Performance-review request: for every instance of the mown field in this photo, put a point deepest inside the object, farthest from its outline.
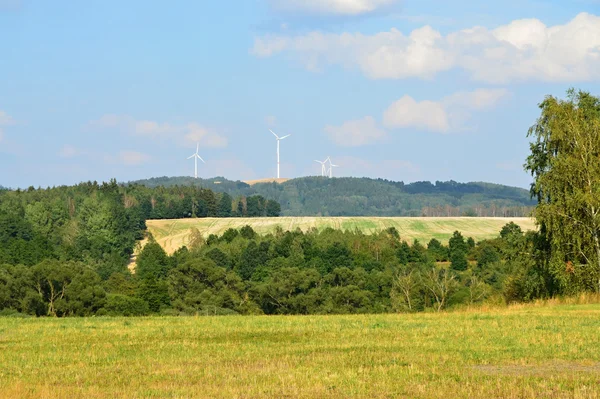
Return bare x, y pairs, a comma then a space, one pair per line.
524, 352
173, 234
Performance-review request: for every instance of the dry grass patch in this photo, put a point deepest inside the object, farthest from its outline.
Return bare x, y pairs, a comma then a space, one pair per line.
267, 180
173, 234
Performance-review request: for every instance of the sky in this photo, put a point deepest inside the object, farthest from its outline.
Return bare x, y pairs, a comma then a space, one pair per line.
406, 90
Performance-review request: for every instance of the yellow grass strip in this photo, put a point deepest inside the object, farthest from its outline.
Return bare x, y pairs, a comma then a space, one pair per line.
172, 235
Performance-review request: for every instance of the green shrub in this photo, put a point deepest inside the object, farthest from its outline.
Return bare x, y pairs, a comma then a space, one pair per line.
123, 305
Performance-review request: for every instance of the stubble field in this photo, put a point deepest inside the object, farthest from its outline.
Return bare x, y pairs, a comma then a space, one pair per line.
173, 234
522, 352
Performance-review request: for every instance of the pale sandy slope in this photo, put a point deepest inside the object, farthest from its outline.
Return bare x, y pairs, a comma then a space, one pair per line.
268, 180
173, 234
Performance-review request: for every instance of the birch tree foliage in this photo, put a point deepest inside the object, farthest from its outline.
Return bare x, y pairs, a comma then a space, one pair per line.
565, 164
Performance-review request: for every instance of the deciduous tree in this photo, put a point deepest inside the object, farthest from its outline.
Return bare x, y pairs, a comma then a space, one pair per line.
565, 164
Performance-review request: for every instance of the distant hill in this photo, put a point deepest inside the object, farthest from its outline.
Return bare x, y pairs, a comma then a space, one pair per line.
349, 196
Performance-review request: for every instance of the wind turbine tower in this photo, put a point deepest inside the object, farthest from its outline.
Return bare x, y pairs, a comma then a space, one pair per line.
278, 140
196, 158
323, 167
331, 166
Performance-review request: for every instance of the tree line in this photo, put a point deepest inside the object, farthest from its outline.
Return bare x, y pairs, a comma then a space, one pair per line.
99, 224
317, 196
317, 272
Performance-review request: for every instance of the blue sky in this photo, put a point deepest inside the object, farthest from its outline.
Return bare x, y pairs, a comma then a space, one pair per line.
400, 89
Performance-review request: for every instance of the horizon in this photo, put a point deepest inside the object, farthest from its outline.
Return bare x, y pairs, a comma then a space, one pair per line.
389, 89
254, 181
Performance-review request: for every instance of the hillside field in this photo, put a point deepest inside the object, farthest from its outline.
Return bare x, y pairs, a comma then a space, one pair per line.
267, 180
521, 352
173, 234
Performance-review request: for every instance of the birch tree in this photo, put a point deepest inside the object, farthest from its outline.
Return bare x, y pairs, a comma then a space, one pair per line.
565, 164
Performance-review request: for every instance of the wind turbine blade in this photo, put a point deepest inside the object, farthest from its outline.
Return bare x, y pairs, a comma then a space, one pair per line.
319, 162
274, 134
192, 156
197, 147
285, 137
200, 158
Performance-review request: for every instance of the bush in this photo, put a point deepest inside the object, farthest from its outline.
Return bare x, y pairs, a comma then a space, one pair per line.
12, 313
123, 305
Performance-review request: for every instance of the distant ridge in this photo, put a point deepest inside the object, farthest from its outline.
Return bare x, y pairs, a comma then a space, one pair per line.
353, 196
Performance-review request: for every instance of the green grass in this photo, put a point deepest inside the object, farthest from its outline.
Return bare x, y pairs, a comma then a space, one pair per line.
173, 234
524, 352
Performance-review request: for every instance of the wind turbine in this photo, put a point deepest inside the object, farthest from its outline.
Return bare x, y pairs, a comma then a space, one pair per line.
196, 158
278, 140
323, 167
331, 166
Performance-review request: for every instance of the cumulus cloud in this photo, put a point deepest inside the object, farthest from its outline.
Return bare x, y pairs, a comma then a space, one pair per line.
196, 133
406, 112
450, 113
356, 133
521, 50
332, 7
188, 133
479, 99
154, 129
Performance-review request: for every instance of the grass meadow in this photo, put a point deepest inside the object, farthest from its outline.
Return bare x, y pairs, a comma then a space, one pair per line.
517, 352
173, 234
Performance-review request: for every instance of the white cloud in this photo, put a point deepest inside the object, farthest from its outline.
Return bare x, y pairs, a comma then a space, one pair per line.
186, 133
521, 50
155, 129
332, 7
196, 133
479, 99
407, 112
356, 133
443, 116
133, 158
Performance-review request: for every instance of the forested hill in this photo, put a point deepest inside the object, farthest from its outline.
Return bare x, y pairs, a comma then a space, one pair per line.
313, 196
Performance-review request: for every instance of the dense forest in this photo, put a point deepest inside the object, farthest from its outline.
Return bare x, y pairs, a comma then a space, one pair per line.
319, 196
283, 273
99, 224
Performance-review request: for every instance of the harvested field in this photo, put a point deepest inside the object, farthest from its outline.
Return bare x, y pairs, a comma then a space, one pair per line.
173, 234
